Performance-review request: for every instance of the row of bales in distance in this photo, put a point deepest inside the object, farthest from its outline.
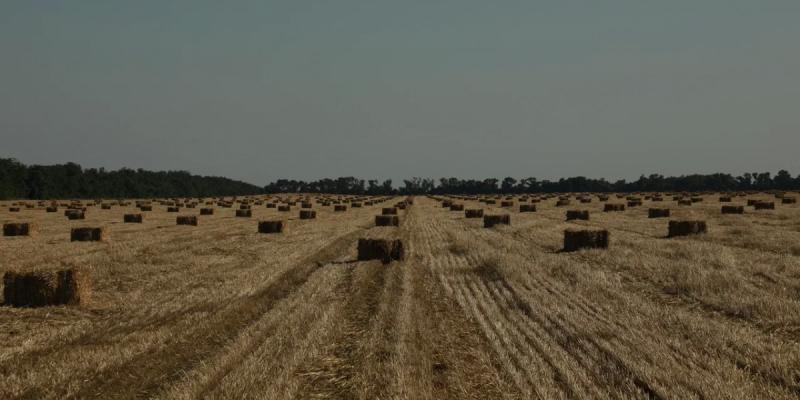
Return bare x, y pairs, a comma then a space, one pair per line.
73, 286
577, 239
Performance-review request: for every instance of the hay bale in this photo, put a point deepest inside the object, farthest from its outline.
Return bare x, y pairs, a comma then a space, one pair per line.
577, 214
86, 234
492, 220
456, 207
173, 209
506, 204
355, 205
186, 220
244, 213
685, 228
789, 200
206, 211
523, 208
725, 199
575, 240
18, 229
697, 199
764, 205
306, 205
52, 209
75, 214
145, 208
271, 205
473, 213
385, 250
339, 208
277, 226
244, 206
389, 211
308, 214
285, 208
685, 202
387, 220
658, 213
733, 209
634, 203
132, 218
105, 206
13, 209
37, 289
752, 202
563, 203
610, 207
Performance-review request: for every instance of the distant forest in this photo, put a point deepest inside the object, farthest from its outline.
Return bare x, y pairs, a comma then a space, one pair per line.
70, 181
18, 181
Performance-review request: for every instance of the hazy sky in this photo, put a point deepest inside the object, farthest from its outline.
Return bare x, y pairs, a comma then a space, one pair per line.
258, 90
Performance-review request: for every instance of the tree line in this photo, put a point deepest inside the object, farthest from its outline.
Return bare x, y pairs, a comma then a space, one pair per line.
70, 180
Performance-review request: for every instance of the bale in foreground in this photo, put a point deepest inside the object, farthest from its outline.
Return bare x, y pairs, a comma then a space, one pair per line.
86, 234
37, 289
492, 220
18, 229
684, 228
387, 220
278, 226
575, 240
380, 249
186, 220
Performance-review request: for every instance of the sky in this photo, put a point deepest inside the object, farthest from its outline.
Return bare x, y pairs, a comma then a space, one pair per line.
261, 90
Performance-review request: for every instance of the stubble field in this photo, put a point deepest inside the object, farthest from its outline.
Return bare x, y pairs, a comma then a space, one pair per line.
220, 311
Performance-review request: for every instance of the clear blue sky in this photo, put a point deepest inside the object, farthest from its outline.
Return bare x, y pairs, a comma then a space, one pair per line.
258, 90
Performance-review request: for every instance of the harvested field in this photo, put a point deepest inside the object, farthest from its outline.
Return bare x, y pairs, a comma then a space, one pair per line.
218, 310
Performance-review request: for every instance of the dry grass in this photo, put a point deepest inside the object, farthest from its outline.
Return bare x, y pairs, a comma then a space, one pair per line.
219, 311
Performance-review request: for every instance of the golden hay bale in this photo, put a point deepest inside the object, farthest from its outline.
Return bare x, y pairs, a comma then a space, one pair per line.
186, 220
284, 208
527, 208
725, 199
563, 203
385, 250
575, 239
789, 200
446, 203
306, 205
75, 214
752, 202
634, 203
339, 208
685, 228
764, 205
602, 198
610, 207
456, 207
355, 205
685, 202
492, 220
18, 229
86, 234
308, 214
244, 207
277, 226
173, 209
658, 213
577, 214
105, 206
206, 211
506, 204
389, 211
585, 200
387, 220
271, 205
244, 213
52, 209
133, 218
37, 289
145, 208
733, 209
13, 209
473, 213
